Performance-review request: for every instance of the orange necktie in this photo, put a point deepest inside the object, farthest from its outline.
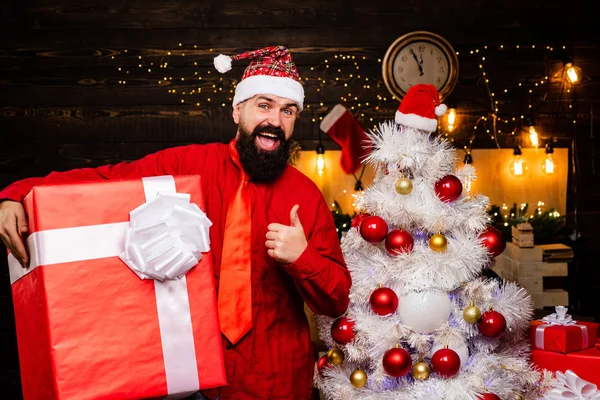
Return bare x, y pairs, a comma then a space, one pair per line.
235, 295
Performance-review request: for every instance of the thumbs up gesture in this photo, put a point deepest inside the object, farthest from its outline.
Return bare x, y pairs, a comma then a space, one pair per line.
286, 243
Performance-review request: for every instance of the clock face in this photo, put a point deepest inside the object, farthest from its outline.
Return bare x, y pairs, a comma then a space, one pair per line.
420, 57
421, 62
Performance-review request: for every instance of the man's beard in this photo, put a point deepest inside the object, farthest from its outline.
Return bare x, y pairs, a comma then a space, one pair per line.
261, 165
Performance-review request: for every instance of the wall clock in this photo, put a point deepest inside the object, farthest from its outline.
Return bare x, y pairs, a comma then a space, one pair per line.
420, 57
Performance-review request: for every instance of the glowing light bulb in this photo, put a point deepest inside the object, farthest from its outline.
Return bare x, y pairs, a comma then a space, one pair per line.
320, 158
533, 136
548, 165
573, 73
518, 166
320, 164
451, 119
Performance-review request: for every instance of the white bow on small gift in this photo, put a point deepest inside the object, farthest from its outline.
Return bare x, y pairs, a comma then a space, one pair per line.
166, 237
560, 317
570, 386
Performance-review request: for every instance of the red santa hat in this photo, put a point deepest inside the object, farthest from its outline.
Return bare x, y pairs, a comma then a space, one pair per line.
271, 71
420, 108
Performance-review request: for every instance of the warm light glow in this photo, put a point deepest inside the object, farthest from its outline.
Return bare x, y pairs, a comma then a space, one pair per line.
573, 73
467, 186
518, 166
549, 166
451, 119
320, 164
533, 136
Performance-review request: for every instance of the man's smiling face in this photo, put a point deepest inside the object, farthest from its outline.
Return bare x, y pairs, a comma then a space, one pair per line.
265, 127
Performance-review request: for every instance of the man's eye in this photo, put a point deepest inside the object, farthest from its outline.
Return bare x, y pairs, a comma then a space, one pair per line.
288, 112
263, 106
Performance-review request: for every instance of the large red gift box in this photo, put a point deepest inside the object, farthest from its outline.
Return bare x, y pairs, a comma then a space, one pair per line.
87, 326
585, 363
562, 338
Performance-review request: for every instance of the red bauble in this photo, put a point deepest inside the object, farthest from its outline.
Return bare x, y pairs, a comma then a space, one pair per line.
494, 241
399, 241
323, 363
373, 229
448, 188
489, 396
357, 220
383, 301
342, 330
492, 324
445, 362
397, 362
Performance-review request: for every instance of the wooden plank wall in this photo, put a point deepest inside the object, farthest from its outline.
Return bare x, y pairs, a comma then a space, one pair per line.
62, 106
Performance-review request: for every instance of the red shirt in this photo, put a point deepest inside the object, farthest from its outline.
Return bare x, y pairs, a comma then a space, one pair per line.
275, 359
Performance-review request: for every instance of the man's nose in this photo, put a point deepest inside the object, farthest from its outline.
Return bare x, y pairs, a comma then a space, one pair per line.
274, 119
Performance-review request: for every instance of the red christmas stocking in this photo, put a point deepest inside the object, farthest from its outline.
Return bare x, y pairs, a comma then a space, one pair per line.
344, 129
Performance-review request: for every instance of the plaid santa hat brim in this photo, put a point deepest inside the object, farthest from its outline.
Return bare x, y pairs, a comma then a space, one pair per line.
273, 85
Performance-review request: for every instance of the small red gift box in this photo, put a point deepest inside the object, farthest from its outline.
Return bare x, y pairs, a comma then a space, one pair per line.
562, 338
87, 326
585, 363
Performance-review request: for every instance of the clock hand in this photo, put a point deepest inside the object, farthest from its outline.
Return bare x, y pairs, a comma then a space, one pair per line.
418, 63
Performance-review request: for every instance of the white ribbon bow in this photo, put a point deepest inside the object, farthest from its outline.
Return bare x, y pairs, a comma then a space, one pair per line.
570, 386
166, 237
560, 317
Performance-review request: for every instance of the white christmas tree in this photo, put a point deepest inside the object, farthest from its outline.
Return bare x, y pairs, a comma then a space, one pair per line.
422, 322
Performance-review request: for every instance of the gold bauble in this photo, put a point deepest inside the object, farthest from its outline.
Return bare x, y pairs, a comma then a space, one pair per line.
438, 242
472, 314
358, 378
421, 370
404, 185
335, 356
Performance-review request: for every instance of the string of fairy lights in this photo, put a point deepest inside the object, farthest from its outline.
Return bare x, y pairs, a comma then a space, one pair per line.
353, 81
493, 117
366, 96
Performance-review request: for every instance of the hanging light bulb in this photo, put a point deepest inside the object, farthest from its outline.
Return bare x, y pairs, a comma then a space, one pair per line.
549, 166
518, 166
467, 182
451, 119
533, 135
468, 158
320, 158
573, 73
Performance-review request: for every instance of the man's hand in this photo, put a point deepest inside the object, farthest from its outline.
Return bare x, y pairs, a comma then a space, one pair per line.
13, 225
286, 243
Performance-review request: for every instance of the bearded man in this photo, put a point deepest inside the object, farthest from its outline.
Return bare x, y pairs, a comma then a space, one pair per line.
273, 238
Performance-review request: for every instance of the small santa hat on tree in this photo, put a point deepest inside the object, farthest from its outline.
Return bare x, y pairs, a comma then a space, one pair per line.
420, 108
271, 71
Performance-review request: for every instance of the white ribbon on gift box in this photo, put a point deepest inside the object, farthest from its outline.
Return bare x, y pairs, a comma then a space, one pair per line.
560, 318
164, 255
571, 386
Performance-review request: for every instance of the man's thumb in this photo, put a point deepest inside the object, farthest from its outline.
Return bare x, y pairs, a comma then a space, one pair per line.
295, 220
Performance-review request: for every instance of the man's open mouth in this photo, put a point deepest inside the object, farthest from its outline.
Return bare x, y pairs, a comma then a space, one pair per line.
267, 141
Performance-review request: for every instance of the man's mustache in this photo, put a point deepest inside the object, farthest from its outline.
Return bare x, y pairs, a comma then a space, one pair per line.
269, 129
